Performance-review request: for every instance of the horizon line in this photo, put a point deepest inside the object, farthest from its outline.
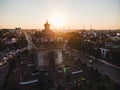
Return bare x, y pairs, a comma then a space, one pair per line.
61, 29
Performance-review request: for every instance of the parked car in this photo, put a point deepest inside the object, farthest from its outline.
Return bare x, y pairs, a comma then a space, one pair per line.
90, 61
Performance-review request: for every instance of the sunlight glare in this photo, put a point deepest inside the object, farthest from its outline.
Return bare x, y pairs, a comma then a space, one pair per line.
58, 20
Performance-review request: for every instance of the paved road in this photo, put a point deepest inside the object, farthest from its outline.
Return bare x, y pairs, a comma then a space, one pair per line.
4, 63
3, 73
103, 68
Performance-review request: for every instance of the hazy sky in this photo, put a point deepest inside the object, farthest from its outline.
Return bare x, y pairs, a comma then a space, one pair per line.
101, 14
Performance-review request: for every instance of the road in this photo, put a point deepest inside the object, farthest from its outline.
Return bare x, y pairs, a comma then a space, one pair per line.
3, 73
5, 56
29, 39
113, 73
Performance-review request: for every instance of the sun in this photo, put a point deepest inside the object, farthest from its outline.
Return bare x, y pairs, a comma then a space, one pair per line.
58, 20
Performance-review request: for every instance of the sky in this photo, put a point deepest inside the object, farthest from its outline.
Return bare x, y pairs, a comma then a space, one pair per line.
79, 14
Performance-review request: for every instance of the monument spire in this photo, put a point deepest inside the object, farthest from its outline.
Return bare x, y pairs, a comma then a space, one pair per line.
47, 25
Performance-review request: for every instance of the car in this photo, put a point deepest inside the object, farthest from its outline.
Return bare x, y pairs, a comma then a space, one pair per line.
21, 62
17, 50
10, 56
1, 64
37, 73
59, 70
30, 65
5, 58
90, 61
10, 52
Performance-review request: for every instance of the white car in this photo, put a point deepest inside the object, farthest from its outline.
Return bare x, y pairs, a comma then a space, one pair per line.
4, 58
59, 70
11, 52
0, 64
17, 50
90, 61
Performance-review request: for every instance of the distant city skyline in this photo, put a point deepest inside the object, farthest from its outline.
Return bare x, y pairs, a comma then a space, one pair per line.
78, 14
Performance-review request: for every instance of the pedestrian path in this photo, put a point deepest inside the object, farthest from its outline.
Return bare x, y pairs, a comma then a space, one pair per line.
108, 64
103, 61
